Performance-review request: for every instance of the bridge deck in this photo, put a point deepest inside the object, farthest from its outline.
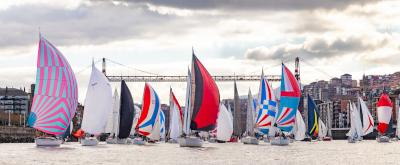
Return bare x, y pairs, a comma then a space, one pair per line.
271, 78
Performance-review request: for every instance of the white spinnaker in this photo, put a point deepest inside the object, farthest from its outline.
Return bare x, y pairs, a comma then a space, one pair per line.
300, 127
368, 120
322, 129
224, 124
98, 103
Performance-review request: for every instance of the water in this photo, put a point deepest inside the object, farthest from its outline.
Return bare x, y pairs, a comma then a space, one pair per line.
334, 152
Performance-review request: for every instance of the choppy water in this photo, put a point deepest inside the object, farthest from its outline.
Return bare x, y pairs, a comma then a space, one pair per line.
335, 152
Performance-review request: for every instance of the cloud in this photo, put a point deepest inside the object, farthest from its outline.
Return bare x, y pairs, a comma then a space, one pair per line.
255, 4
87, 24
319, 47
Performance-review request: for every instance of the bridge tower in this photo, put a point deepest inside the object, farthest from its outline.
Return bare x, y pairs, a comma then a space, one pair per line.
103, 66
297, 69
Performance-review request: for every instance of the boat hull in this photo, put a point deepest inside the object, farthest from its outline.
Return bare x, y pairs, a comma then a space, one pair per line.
89, 142
351, 140
48, 142
190, 142
138, 141
250, 140
383, 139
266, 139
212, 140
173, 141
327, 139
280, 141
111, 141
122, 141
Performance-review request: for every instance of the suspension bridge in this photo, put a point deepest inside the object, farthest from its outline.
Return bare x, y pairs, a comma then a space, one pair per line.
152, 77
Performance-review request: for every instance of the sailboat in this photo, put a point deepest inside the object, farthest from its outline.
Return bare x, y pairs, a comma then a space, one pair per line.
323, 130
266, 108
98, 105
113, 120
313, 118
202, 104
224, 124
289, 102
299, 131
250, 122
367, 119
176, 119
56, 95
355, 133
126, 114
384, 112
237, 128
148, 124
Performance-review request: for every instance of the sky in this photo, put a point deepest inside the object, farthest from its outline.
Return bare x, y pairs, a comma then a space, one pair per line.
228, 36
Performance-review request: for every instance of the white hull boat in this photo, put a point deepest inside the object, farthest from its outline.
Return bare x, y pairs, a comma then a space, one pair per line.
122, 141
47, 142
383, 139
190, 142
111, 141
250, 140
172, 141
138, 141
280, 141
212, 140
351, 140
89, 141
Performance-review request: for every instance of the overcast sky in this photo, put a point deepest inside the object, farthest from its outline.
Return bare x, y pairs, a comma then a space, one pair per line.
228, 36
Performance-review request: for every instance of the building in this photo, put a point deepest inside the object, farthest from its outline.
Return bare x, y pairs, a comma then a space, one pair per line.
347, 80
14, 100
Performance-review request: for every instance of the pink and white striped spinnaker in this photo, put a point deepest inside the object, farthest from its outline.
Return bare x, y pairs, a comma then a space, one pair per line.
56, 92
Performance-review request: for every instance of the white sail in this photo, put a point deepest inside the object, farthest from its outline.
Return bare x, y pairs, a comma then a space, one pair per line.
358, 123
322, 129
115, 113
187, 114
398, 124
174, 126
300, 127
156, 133
135, 119
356, 130
224, 124
98, 103
352, 132
368, 121
111, 118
